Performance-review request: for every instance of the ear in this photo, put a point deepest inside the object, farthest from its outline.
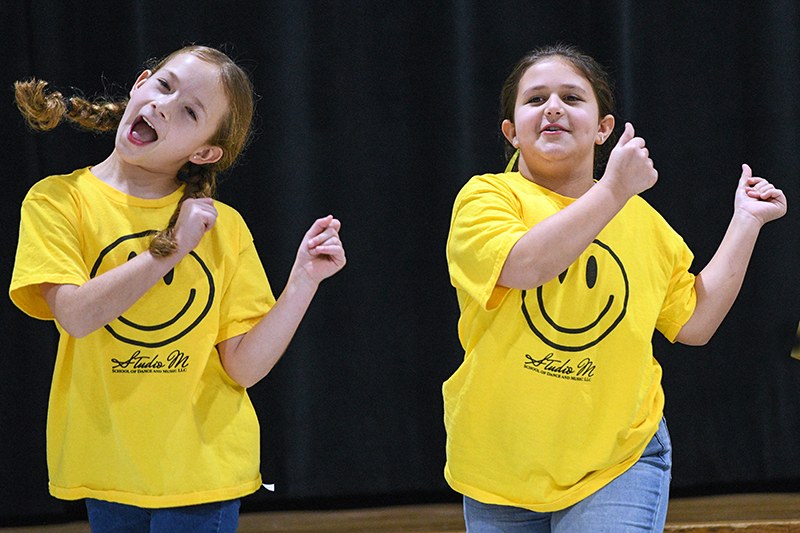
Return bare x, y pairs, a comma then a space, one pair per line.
143, 77
510, 132
206, 155
604, 129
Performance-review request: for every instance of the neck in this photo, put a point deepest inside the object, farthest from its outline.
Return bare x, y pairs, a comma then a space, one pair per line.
562, 178
135, 180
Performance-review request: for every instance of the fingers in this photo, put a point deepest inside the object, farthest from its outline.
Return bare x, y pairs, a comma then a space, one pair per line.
630, 169
196, 217
761, 189
323, 253
199, 210
204, 210
323, 236
757, 187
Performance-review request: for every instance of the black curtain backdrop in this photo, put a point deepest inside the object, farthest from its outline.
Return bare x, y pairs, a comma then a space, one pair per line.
378, 112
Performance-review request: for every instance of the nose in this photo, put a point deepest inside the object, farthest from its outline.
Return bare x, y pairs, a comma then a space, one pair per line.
162, 107
554, 107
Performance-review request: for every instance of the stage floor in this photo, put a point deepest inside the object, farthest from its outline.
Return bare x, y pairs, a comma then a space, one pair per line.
741, 513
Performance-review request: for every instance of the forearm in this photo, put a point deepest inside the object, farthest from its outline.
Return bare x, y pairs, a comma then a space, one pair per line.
552, 245
718, 284
251, 357
80, 310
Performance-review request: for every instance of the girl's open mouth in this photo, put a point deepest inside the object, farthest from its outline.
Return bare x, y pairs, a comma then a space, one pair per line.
143, 132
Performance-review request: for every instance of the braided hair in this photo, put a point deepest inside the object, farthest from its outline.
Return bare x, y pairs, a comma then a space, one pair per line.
44, 110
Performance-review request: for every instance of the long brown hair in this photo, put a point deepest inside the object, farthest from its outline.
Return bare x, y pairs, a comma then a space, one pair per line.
45, 110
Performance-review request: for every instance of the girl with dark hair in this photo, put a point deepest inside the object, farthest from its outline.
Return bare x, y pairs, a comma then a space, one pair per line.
555, 418
164, 311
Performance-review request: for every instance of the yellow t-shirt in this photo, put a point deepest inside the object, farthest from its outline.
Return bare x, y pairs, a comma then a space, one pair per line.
141, 411
559, 392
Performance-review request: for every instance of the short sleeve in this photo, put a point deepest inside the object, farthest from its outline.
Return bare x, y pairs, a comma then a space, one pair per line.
48, 251
486, 223
681, 297
248, 297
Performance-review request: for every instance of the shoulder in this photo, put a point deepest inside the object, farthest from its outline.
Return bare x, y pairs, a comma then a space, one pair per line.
230, 225
227, 212
648, 225
58, 186
59, 195
489, 182
492, 187
640, 208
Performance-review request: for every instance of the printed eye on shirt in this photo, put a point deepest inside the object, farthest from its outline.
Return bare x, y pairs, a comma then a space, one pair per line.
576, 311
581, 306
169, 311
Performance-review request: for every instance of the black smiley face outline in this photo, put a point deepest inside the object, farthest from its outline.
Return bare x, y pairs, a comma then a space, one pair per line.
167, 280
591, 279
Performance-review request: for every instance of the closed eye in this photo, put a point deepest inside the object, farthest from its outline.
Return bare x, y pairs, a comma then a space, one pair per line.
191, 113
164, 83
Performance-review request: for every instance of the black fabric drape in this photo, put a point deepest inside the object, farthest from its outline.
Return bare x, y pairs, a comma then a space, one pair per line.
378, 112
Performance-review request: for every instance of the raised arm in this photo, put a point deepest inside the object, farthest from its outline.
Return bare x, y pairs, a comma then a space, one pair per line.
552, 245
80, 310
248, 358
757, 202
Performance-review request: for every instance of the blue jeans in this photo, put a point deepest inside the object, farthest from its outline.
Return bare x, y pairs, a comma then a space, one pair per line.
109, 517
636, 501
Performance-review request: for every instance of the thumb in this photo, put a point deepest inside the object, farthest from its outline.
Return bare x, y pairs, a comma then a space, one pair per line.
747, 172
627, 135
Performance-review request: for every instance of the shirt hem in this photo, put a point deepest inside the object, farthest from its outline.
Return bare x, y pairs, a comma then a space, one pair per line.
566, 500
156, 502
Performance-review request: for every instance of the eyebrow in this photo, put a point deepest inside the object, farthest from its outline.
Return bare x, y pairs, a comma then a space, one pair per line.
175, 79
568, 86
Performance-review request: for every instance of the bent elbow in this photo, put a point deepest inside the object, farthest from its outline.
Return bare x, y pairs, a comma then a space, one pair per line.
245, 383
700, 341
75, 330
693, 338
524, 281
243, 379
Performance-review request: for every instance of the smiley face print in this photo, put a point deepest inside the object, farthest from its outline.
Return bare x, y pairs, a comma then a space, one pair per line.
583, 305
169, 310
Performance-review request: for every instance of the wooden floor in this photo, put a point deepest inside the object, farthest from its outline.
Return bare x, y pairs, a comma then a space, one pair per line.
744, 513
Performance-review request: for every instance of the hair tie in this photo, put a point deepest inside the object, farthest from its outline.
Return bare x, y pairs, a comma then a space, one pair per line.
511, 161
67, 105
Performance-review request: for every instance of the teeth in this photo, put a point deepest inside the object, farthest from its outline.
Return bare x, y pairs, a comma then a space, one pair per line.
148, 122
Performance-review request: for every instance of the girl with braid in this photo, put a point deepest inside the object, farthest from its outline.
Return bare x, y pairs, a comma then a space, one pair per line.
163, 308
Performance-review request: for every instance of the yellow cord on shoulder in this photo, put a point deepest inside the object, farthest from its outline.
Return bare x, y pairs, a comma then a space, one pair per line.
511, 161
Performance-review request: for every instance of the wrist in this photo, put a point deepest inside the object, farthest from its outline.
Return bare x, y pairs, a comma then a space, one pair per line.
161, 265
746, 219
301, 284
612, 194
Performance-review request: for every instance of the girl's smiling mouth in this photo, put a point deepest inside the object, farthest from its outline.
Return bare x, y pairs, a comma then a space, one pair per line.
553, 128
